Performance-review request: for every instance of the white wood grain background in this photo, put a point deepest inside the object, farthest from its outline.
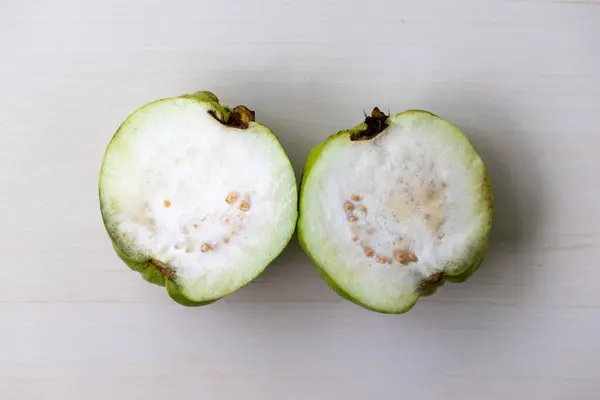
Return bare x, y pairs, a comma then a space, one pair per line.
522, 78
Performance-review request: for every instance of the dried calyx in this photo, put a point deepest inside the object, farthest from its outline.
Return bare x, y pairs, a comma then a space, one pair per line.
374, 125
240, 117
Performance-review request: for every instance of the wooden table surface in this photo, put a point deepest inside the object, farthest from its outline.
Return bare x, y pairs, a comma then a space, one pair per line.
521, 78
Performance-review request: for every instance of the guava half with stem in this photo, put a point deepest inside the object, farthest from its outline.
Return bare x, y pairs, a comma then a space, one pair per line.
196, 196
393, 208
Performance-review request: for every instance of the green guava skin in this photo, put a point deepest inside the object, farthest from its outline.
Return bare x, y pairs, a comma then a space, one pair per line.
143, 265
152, 274
427, 289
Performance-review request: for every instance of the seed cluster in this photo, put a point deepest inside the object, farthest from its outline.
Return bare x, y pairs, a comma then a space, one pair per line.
235, 200
354, 209
351, 209
405, 257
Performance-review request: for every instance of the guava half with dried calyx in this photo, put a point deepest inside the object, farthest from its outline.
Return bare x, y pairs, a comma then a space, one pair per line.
196, 196
394, 207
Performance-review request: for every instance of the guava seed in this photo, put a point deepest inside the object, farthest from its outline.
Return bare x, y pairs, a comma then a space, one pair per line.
205, 247
381, 259
245, 206
348, 206
400, 256
232, 197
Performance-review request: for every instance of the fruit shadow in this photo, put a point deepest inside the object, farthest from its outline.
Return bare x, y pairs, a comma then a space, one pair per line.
509, 267
466, 325
492, 121
465, 321
290, 278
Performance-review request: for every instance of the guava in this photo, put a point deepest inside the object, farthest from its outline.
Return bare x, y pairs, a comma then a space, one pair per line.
393, 208
196, 196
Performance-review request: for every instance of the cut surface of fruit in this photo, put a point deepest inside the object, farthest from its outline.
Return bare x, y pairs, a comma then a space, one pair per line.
197, 196
393, 207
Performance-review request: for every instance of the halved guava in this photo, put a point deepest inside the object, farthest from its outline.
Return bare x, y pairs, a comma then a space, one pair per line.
394, 207
196, 196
